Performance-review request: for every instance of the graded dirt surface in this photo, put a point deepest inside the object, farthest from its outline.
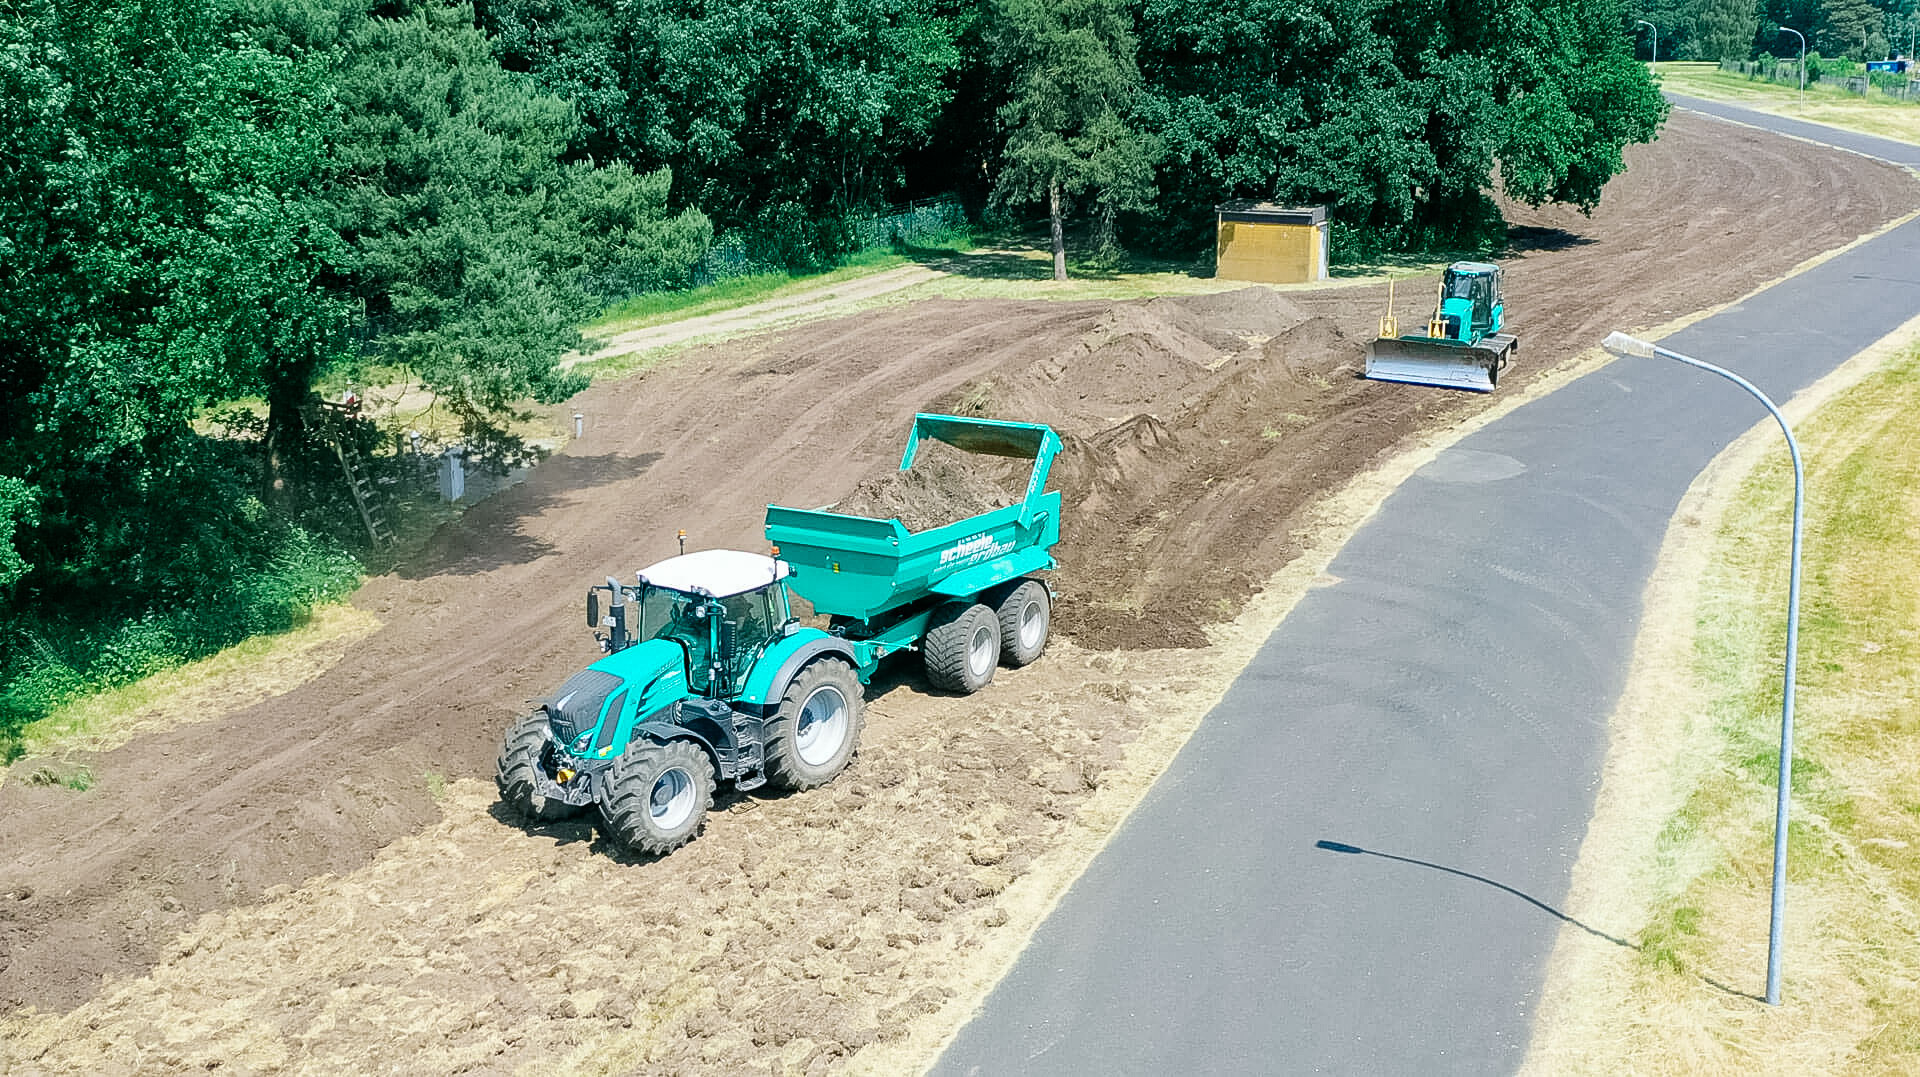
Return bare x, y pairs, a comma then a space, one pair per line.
281, 887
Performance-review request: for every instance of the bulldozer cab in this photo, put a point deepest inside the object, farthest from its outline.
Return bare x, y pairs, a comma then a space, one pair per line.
1463, 346
1470, 300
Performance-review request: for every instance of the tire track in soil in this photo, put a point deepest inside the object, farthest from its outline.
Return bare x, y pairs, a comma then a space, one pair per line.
229, 813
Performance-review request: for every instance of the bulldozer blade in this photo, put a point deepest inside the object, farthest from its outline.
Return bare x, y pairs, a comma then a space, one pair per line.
1445, 366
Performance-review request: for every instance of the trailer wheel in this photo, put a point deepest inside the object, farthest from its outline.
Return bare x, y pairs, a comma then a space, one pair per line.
1026, 614
656, 796
962, 647
526, 741
817, 728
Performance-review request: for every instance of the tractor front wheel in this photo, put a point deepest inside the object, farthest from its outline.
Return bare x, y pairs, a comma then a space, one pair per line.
1025, 614
656, 796
526, 741
962, 647
817, 729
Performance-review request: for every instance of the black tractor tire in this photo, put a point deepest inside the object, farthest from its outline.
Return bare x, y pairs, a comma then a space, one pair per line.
962, 647
656, 796
1026, 617
814, 734
513, 772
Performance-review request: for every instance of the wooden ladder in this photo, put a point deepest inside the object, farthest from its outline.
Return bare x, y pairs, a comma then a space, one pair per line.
337, 418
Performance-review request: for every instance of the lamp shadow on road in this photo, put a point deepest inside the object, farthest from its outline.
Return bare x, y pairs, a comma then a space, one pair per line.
1355, 850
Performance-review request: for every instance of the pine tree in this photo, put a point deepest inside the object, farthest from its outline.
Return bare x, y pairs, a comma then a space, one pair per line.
1075, 81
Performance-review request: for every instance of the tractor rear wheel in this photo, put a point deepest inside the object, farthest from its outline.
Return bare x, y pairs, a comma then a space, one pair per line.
817, 729
1026, 613
656, 796
962, 647
526, 741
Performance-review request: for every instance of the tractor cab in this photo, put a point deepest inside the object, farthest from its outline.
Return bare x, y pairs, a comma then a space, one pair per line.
707, 676
723, 607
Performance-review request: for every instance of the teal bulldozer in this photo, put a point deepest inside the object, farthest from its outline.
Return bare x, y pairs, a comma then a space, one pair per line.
1463, 347
709, 676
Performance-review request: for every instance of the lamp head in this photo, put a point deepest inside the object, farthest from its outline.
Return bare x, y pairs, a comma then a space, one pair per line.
1622, 344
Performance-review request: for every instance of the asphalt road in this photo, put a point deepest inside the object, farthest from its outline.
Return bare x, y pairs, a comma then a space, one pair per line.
1354, 865
1904, 153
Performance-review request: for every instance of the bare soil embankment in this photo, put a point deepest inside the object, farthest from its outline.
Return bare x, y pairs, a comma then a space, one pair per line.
800, 930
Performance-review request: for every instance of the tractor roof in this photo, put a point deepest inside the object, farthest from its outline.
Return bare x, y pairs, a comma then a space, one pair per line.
716, 572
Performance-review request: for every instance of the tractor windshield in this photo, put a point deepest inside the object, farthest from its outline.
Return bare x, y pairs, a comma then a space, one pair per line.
750, 619
669, 614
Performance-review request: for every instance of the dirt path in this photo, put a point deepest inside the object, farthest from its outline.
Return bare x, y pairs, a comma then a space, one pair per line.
800, 930
825, 301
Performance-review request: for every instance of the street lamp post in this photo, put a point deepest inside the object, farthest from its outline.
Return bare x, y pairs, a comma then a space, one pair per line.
1656, 38
1624, 345
1803, 55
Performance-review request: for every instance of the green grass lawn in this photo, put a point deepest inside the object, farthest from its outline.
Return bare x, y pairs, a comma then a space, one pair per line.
1692, 907
659, 308
1874, 114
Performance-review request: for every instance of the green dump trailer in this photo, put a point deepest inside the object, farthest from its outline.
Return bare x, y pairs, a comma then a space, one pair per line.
709, 676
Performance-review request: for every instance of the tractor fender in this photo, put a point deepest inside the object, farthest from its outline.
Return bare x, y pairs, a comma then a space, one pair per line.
763, 696
731, 738
663, 732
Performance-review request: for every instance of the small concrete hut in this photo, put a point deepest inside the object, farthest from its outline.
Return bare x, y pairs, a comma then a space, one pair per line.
1261, 241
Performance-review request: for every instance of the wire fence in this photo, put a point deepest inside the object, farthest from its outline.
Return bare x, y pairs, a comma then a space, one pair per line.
1840, 75
917, 225
743, 254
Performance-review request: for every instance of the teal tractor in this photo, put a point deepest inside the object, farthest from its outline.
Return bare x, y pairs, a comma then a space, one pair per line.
1463, 347
709, 676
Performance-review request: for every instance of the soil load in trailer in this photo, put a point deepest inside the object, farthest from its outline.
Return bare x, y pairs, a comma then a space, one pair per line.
867, 570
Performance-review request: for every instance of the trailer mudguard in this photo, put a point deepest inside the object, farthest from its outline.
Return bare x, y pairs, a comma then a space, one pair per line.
782, 661
970, 582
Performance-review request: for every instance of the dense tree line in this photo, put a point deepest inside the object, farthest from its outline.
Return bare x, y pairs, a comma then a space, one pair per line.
776, 115
1739, 29
223, 201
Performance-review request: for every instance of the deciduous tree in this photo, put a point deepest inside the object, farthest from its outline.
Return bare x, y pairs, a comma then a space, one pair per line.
779, 116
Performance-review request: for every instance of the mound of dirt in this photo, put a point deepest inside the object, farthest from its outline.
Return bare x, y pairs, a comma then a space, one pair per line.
1174, 412
944, 485
1135, 358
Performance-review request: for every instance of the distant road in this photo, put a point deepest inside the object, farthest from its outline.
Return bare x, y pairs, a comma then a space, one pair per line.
1355, 865
1887, 149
